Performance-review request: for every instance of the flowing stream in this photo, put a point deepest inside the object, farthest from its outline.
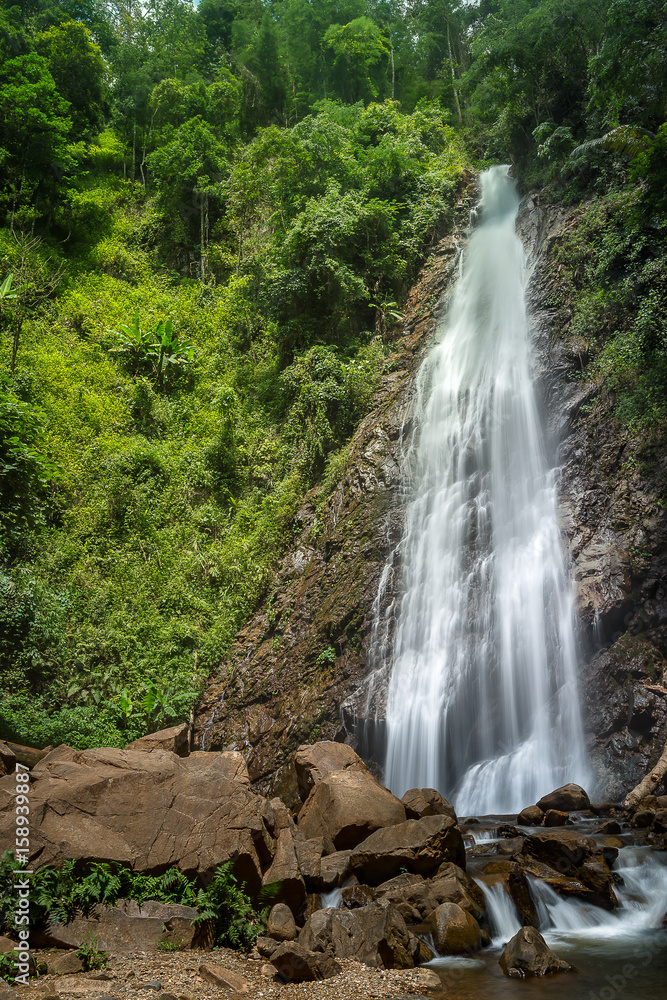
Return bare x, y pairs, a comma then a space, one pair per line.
619, 955
482, 701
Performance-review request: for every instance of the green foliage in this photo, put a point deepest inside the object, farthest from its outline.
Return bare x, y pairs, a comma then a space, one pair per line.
26, 472
237, 924
7, 967
613, 293
78, 70
57, 895
92, 956
157, 351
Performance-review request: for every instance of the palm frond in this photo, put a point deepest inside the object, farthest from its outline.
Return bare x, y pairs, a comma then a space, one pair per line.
626, 139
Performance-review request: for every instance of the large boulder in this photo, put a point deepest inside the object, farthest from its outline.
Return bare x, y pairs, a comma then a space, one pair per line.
454, 930
563, 850
527, 954
335, 870
450, 884
347, 806
296, 964
309, 855
7, 759
530, 816
126, 927
280, 924
229, 764
554, 817
375, 935
313, 763
420, 802
284, 876
568, 798
176, 739
418, 846
412, 890
149, 811
592, 882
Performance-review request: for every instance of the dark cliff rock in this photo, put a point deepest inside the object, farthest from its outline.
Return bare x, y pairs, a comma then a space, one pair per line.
611, 487
306, 650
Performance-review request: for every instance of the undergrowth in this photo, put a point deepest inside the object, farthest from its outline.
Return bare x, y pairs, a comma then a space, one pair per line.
58, 894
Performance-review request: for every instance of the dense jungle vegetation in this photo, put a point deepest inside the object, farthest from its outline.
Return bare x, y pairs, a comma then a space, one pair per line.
210, 217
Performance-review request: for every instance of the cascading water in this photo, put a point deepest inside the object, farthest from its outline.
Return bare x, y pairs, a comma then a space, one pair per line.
482, 699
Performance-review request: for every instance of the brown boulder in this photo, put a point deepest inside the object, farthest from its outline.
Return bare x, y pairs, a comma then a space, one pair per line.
420, 802
660, 821
315, 762
454, 930
567, 798
125, 927
228, 763
176, 739
284, 875
611, 826
527, 954
309, 855
375, 935
219, 976
7, 759
266, 946
149, 811
281, 925
295, 964
65, 963
592, 882
412, 890
419, 845
335, 869
347, 806
599, 881
530, 816
563, 850
450, 884
553, 817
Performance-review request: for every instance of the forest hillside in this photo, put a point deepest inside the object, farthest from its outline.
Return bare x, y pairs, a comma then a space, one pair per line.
211, 219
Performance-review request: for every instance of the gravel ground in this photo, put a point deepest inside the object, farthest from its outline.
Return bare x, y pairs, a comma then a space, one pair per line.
176, 976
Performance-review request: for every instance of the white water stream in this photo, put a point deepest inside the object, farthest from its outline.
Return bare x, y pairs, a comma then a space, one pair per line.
482, 701
642, 898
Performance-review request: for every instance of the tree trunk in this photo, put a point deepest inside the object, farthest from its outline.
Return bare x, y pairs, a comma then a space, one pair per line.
392, 72
134, 149
649, 784
451, 66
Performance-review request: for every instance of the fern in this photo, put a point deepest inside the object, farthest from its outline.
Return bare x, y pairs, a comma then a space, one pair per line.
58, 894
628, 139
227, 905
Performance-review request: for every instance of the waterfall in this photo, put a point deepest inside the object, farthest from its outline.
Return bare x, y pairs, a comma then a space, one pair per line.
482, 701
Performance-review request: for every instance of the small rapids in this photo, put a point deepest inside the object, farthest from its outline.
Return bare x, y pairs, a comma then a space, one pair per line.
619, 954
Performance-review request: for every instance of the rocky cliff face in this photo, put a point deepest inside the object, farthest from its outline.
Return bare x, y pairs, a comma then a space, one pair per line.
310, 650
307, 649
615, 523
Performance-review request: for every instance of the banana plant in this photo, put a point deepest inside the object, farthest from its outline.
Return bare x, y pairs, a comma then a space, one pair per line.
169, 352
157, 348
